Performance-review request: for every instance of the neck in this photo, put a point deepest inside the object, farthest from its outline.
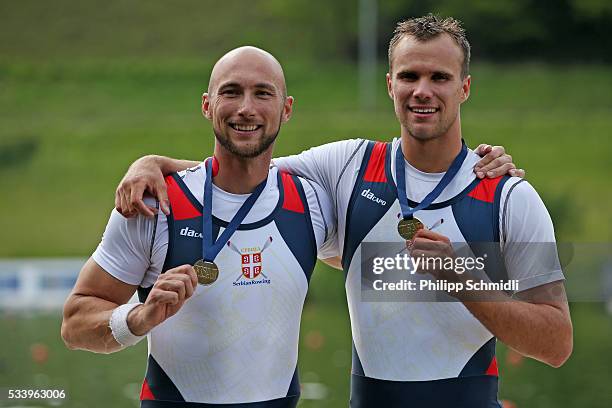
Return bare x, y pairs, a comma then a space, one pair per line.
239, 175
432, 155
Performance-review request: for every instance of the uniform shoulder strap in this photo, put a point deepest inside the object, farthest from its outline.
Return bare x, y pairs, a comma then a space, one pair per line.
375, 160
292, 200
181, 204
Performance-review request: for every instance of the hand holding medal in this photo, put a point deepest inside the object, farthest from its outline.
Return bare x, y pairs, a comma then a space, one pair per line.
410, 242
435, 249
167, 296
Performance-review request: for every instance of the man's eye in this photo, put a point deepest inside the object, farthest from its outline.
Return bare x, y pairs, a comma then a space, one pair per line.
439, 77
264, 93
228, 92
408, 76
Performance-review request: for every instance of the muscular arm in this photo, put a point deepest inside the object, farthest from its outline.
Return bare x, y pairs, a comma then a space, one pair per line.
96, 294
88, 309
537, 324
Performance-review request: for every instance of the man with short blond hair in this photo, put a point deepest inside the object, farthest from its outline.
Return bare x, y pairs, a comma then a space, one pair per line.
428, 27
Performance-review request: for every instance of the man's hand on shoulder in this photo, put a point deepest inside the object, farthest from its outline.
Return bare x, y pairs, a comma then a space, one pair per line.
143, 175
147, 174
166, 298
495, 162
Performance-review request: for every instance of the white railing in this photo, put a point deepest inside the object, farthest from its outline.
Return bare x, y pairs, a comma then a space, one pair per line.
40, 284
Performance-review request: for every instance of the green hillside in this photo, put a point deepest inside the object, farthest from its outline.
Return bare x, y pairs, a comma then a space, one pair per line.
69, 131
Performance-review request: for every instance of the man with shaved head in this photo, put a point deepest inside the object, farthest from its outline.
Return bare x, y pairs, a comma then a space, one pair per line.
226, 74
223, 276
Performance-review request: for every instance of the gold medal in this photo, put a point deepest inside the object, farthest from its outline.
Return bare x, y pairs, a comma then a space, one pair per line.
207, 272
408, 227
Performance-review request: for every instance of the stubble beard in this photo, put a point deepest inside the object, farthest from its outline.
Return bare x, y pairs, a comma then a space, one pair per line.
430, 133
263, 143
424, 134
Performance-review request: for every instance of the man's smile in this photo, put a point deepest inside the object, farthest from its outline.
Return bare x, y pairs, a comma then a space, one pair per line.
244, 128
423, 109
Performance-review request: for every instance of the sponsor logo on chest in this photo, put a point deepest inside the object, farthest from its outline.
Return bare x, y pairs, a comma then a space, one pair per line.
370, 196
188, 232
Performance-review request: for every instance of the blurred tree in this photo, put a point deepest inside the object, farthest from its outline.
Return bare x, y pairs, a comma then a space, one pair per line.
554, 30
325, 29
319, 30
591, 8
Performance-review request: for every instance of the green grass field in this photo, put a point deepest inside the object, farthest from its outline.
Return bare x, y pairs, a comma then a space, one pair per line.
68, 131
92, 380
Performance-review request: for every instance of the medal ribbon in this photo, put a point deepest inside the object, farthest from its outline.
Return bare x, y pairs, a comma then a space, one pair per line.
211, 249
400, 176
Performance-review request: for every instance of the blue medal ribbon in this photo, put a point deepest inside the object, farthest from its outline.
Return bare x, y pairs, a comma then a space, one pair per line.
211, 249
400, 176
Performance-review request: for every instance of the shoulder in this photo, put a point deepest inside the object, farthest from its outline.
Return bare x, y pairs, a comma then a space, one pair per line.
524, 214
193, 178
126, 248
522, 202
518, 190
191, 174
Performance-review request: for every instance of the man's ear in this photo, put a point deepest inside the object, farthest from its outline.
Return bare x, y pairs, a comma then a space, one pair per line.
389, 86
206, 106
465, 88
287, 109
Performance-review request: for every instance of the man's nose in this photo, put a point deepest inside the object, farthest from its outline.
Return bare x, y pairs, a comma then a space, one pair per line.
247, 107
423, 90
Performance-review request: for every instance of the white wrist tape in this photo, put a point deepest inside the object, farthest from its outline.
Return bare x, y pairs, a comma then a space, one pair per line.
119, 326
